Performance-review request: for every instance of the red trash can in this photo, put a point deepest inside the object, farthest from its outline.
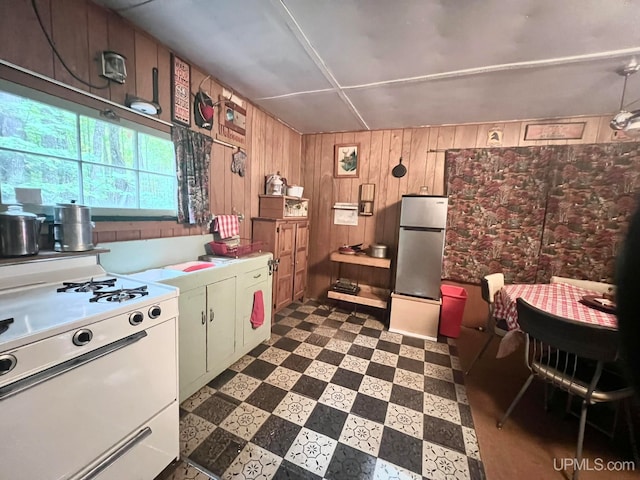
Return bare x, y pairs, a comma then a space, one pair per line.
453, 301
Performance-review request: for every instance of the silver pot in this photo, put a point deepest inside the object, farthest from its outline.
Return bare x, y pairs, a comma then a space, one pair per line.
378, 250
72, 227
19, 232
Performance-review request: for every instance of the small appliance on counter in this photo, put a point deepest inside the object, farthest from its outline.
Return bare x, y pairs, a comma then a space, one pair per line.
72, 227
275, 184
19, 232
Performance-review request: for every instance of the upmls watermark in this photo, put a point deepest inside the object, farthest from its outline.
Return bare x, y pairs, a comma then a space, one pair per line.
595, 465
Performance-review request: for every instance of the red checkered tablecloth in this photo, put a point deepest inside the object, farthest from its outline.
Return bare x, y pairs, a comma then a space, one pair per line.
557, 298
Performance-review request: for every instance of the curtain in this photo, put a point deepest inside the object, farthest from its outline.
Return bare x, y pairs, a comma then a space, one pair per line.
193, 152
534, 212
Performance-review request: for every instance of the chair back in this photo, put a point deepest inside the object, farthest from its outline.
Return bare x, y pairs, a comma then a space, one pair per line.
489, 285
584, 340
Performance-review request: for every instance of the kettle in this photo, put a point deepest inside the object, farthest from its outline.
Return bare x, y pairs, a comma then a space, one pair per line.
19, 232
72, 227
275, 184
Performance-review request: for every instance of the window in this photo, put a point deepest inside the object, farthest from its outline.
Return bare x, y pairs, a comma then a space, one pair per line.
69, 152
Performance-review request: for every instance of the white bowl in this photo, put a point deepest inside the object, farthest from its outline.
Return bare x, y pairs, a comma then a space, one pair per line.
295, 191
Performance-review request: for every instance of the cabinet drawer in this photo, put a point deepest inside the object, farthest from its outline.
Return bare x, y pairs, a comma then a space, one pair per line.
256, 276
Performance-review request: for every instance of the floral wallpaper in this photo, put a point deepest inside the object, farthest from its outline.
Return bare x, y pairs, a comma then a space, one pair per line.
591, 198
533, 212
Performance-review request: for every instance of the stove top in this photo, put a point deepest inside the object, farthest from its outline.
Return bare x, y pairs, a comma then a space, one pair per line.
42, 308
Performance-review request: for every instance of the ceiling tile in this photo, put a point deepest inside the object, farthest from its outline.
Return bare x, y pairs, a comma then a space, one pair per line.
578, 89
249, 46
314, 112
378, 40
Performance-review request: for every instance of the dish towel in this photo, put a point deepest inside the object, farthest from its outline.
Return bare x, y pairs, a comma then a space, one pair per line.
226, 225
257, 314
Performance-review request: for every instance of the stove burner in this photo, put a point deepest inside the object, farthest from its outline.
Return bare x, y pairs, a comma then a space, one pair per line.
120, 295
4, 325
88, 286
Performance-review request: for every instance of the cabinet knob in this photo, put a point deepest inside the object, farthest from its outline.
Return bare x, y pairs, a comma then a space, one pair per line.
257, 276
211, 314
203, 317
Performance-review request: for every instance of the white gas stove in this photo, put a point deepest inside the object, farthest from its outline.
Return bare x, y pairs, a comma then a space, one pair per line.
88, 372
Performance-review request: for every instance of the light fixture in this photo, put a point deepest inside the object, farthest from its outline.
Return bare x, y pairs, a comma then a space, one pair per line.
114, 66
626, 120
145, 106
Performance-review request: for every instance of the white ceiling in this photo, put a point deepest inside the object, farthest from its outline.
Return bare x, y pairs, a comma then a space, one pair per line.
343, 65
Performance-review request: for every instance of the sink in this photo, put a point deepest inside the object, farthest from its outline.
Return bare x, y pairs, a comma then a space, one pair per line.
190, 266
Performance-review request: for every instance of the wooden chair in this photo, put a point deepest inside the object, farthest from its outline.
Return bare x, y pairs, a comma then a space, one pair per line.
574, 357
599, 287
490, 285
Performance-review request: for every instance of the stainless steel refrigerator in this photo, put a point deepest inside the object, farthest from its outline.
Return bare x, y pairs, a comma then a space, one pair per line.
420, 245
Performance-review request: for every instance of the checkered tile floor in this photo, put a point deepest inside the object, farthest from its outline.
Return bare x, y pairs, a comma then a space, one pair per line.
333, 395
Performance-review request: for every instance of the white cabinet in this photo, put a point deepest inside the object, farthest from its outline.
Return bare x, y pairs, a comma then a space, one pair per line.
214, 326
221, 324
192, 335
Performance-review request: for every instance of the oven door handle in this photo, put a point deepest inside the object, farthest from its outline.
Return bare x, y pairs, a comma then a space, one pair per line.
64, 367
111, 459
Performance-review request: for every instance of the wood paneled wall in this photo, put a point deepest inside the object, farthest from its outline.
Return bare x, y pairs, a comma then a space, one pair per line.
422, 150
81, 30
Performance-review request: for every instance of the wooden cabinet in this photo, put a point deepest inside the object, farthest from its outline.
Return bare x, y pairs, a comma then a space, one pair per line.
282, 206
214, 325
368, 295
288, 240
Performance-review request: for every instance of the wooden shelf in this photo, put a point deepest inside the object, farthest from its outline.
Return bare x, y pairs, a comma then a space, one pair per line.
368, 295
364, 260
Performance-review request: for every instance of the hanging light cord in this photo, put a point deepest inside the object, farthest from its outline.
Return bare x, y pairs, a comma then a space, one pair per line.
55, 50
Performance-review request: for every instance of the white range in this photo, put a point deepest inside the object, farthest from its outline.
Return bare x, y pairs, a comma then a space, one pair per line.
88, 372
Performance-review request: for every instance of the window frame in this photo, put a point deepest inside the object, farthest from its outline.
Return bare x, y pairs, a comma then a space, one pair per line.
79, 109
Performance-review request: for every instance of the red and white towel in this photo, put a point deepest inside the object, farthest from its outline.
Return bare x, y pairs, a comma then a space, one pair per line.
226, 225
257, 312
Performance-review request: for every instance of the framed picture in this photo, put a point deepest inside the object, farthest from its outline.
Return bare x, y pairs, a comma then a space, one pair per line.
180, 91
346, 160
554, 131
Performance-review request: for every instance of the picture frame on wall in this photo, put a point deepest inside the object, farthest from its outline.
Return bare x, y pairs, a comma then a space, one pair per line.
180, 91
554, 131
346, 160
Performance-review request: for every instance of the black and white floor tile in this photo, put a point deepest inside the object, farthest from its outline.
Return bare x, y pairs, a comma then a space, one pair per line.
332, 395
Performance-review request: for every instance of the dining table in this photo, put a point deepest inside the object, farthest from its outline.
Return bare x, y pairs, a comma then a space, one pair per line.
561, 299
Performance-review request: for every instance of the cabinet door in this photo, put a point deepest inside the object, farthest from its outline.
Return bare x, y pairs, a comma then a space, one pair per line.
285, 254
300, 269
221, 324
192, 332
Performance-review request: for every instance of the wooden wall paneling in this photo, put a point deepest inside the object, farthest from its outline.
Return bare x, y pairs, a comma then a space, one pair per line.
285, 156
121, 40
71, 43
146, 60
278, 149
385, 174
164, 82
445, 141
269, 164
97, 42
21, 39
483, 132
511, 134
590, 133
418, 160
465, 136
225, 175
324, 221
295, 155
393, 189
250, 195
311, 167
216, 180
407, 138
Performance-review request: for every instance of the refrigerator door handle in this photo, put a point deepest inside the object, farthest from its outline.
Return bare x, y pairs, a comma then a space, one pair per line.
422, 229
